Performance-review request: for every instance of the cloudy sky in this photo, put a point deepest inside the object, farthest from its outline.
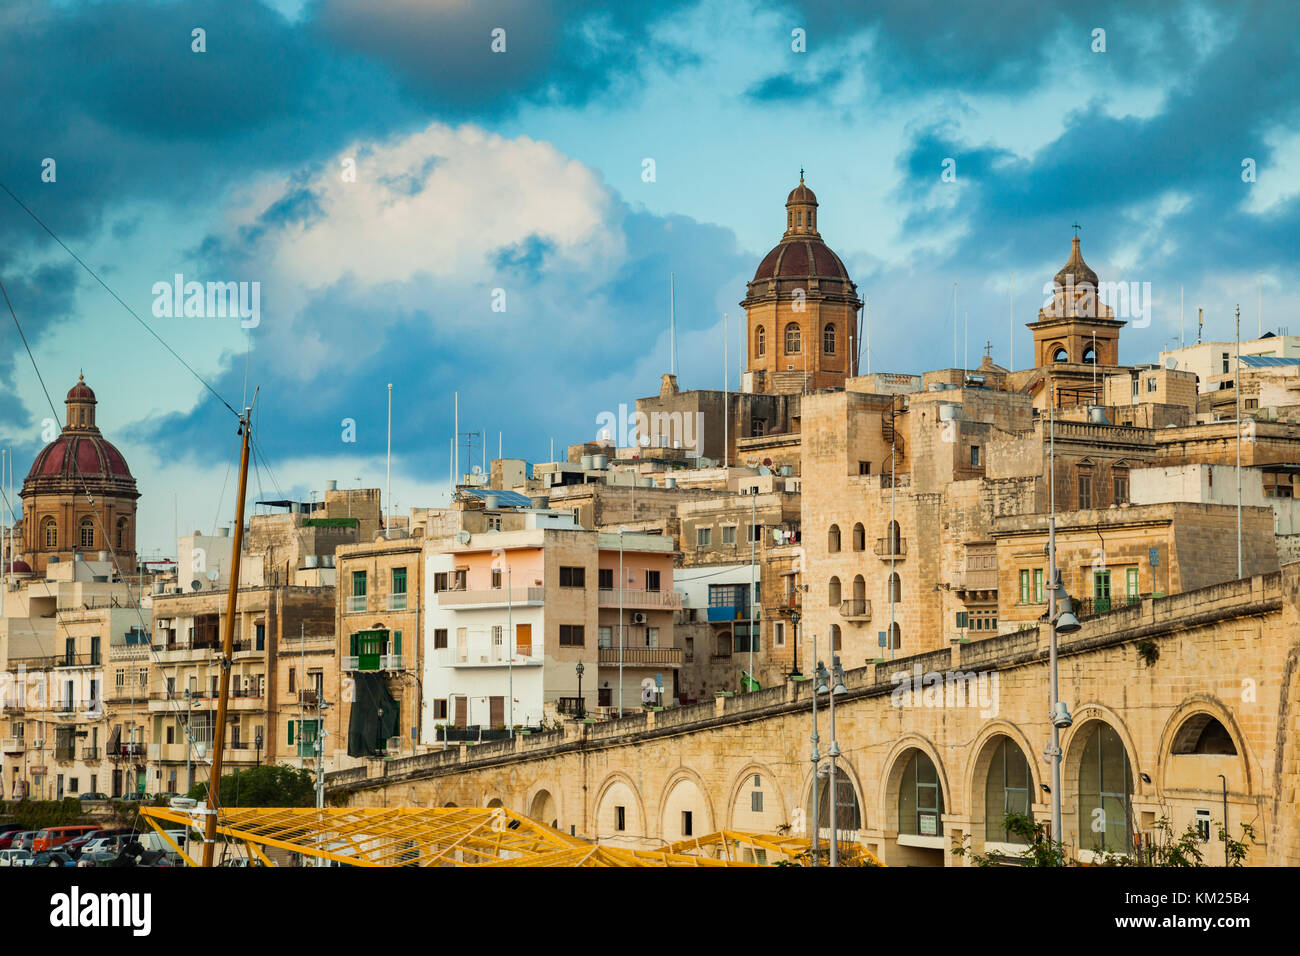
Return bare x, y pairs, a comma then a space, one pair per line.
387, 178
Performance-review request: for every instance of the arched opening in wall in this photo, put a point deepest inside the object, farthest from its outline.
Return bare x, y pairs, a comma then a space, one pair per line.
1090, 356
1204, 735
544, 810
685, 813
848, 811
895, 636
920, 798
1006, 791
895, 587
121, 533
87, 536
1060, 354
834, 592
756, 809
1105, 789
859, 537
828, 339
448, 805
859, 590
495, 802
792, 339
832, 538
894, 538
49, 534
618, 816
760, 341
836, 639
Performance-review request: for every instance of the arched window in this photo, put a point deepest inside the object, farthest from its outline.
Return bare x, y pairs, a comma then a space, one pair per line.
834, 600
87, 533
800, 218
859, 537
835, 638
833, 539
760, 341
848, 815
1006, 791
121, 533
828, 339
1105, 788
895, 587
859, 590
893, 539
49, 534
920, 798
1089, 356
789, 219
1060, 355
1202, 734
896, 636
792, 343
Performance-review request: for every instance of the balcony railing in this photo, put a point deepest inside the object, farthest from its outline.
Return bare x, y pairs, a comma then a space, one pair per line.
984, 579
663, 656
89, 753
1092, 606
78, 660
886, 548
373, 662
491, 597
491, 655
636, 597
356, 603
396, 602
13, 745
855, 609
64, 753
570, 705
126, 751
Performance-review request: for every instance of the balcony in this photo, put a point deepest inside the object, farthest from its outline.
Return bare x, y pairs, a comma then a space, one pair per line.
984, 579
134, 751
855, 609
373, 662
133, 690
356, 603
492, 597
65, 753
89, 753
637, 598
14, 745
78, 660
571, 706
1092, 606
640, 656
890, 550
396, 602
487, 656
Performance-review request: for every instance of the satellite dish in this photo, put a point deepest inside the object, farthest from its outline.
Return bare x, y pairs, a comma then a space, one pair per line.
213, 575
462, 537
195, 584
765, 470
1171, 362
476, 470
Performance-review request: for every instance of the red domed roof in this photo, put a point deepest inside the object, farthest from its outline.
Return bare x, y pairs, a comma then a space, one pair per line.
19, 567
93, 457
801, 194
81, 392
801, 258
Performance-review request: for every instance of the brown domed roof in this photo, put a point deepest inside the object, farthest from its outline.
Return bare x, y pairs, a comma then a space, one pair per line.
1076, 271
18, 567
90, 455
801, 194
801, 258
81, 392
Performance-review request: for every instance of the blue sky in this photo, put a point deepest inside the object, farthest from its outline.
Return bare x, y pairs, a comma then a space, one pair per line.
523, 171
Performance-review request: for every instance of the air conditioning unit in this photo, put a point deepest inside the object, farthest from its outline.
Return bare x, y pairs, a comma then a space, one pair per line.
38, 744
394, 744
638, 618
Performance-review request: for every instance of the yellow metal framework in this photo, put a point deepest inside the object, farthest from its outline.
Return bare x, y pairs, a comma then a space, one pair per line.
456, 836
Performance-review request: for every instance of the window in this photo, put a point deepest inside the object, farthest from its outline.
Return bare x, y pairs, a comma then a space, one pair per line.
1085, 489
94, 649
497, 630
729, 534
703, 537
686, 823
1135, 387
605, 579
835, 637
859, 537
1152, 384
1131, 583
121, 533
87, 533
895, 588
399, 580
1060, 355
604, 636
292, 684
1025, 587
757, 427
1203, 825
1225, 363
1104, 788
792, 345
573, 577
778, 633
974, 456
620, 818
833, 589
260, 636
652, 580
1006, 791
439, 638
358, 583
864, 468
1038, 585
963, 620
920, 798
828, 340
756, 801
760, 341
496, 579
1101, 590
50, 533
1121, 486
833, 539
440, 581
571, 635
440, 709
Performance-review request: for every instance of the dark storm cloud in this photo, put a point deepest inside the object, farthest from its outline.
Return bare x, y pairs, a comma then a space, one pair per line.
791, 87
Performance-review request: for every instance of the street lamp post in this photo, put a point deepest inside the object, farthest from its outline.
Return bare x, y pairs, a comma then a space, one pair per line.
837, 690
816, 760
582, 706
622, 583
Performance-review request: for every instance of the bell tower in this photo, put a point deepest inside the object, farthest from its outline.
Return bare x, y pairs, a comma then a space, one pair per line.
1076, 327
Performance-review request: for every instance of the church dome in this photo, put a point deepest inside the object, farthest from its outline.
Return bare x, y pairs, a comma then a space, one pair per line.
801, 260
798, 257
81, 392
80, 459
1076, 271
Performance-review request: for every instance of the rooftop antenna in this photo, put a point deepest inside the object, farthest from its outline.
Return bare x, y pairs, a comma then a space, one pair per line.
1200, 322
1260, 313
865, 324
954, 325
388, 489
672, 328
455, 433
1011, 327
725, 409
1182, 335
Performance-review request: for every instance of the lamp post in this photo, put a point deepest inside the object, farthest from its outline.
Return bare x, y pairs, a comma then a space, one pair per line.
582, 706
257, 744
622, 583
510, 667
816, 760
837, 690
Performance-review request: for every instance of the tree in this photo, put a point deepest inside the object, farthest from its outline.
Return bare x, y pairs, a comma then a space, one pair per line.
268, 786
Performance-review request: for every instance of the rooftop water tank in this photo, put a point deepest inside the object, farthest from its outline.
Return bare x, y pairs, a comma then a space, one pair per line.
585, 462
600, 462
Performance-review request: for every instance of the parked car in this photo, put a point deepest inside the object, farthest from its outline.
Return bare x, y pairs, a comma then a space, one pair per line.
14, 857
96, 858
52, 837
75, 846
92, 796
9, 836
52, 858
106, 840
25, 840
11, 828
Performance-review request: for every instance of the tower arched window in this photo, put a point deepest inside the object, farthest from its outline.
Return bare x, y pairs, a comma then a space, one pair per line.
801, 219
49, 534
121, 533
87, 536
895, 588
833, 539
836, 638
792, 343
760, 341
834, 590
828, 339
1060, 355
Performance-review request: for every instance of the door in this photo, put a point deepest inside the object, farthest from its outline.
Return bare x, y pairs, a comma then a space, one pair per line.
462, 716
497, 712
524, 640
